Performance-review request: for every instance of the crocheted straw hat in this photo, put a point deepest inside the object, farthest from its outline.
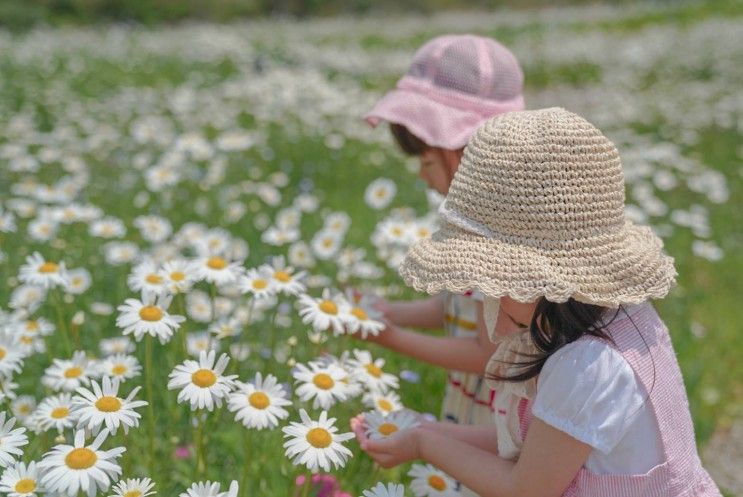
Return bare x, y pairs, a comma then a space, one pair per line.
536, 209
454, 84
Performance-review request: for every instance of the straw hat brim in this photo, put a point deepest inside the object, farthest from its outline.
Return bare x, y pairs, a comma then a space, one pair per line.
627, 267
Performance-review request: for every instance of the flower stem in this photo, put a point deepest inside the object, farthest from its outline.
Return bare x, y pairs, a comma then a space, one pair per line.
61, 326
307, 485
150, 408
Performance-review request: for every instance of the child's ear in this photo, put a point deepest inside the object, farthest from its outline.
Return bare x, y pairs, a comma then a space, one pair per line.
452, 158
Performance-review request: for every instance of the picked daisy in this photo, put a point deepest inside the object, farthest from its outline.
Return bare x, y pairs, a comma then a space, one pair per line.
379, 426
384, 402
102, 406
369, 372
391, 490
325, 383
259, 404
430, 482
323, 313
149, 316
40, 272
10, 440
202, 383
316, 443
69, 374
257, 282
69, 469
57, 411
134, 487
20, 480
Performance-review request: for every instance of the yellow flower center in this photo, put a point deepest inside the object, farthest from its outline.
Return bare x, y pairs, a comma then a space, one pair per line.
328, 307
385, 405
282, 276
323, 381
151, 313
119, 369
423, 232
108, 404
25, 340
32, 325
25, 485
260, 284
49, 267
133, 493
397, 231
80, 458
319, 438
387, 429
216, 263
154, 279
374, 370
3, 352
435, 481
177, 276
204, 378
381, 193
25, 409
60, 412
259, 400
360, 313
73, 372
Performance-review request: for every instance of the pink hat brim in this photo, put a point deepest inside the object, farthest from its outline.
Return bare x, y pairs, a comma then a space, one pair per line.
439, 118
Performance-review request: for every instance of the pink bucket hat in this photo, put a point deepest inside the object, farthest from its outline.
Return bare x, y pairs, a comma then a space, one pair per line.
454, 84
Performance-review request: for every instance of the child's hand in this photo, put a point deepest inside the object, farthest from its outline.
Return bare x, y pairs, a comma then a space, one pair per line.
391, 451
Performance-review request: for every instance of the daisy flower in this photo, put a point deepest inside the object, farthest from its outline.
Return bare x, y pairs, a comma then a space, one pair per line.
384, 402
148, 316
118, 253
430, 482
391, 490
78, 281
40, 272
316, 443
69, 469
210, 489
178, 275
283, 277
369, 372
380, 193
41, 326
211, 242
218, 270
57, 412
337, 222
116, 345
69, 374
120, 366
325, 244
362, 319
379, 426
20, 480
258, 282
146, 277
108, 227
10, 440
103, 406
196, 343
300, 255
323, 313
259, 404
42, 230
134, 487
11, 355
154, 229
202, 382
27, 297
23, 407
324, 383
226, 328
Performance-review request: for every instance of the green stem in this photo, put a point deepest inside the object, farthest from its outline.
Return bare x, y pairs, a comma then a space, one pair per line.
247, 449
150, 408
61, 326
200, 463
307, 485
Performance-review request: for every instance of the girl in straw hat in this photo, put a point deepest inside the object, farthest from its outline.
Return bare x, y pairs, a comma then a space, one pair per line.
454, 84
593, 399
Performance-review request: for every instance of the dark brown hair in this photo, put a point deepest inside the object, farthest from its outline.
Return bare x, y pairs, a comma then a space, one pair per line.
555, 325
407, 141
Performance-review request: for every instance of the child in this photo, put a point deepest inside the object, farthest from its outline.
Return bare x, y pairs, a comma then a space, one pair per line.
535, 218
454, 84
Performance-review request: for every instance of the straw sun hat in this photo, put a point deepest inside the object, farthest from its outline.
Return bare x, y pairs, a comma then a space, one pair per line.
537, 209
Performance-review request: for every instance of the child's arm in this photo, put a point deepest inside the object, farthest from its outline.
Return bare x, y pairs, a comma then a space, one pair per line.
468, 354
423, 313
549, 460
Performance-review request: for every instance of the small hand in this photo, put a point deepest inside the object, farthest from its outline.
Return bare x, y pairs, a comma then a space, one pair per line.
389, 452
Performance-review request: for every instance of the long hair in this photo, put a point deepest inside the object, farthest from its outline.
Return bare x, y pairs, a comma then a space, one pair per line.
407, 141
555, 325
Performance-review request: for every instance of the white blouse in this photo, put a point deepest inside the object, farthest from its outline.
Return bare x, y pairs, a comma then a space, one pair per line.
589, 391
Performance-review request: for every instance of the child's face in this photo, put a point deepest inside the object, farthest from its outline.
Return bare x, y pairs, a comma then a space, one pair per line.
437, 168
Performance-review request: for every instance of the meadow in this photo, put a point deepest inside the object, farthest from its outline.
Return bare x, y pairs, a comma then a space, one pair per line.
123, 146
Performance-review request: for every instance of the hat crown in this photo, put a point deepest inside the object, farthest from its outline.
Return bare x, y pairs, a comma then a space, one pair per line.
469, 64
540, 178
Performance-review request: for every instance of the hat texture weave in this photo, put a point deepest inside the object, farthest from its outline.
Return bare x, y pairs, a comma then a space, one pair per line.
536, 209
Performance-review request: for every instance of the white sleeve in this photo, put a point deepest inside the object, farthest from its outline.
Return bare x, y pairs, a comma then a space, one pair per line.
589, 391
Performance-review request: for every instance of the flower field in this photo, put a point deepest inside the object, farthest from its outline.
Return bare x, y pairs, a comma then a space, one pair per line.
194, 220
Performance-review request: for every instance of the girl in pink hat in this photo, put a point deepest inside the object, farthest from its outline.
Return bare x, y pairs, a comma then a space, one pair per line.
454, 84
